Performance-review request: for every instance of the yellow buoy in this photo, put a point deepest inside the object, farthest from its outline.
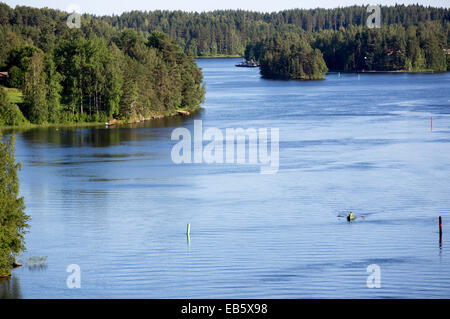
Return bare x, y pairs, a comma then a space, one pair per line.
350, 217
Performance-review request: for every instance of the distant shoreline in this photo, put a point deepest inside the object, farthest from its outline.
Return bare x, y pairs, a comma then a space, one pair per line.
387, 72
220, 57
333, 71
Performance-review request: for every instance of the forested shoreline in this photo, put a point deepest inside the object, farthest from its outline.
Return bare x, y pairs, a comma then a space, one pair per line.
140, 65
79, 75
421, 48
288, 56
227, 32
412, 38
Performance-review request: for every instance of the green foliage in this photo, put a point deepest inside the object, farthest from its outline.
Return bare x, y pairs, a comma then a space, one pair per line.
94, 73
36, 89
221, 32
134, 65
13, 220
18, 62
158, 77
227, 32
289, 56
10, 114
53, 88
390, 48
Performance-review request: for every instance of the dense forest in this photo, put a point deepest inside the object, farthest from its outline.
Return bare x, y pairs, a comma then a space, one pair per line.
141, 64
358, 48
414, 48
78, 75
227, 32
414, 37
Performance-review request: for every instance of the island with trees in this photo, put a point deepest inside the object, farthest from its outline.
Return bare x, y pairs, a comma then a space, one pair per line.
288, 56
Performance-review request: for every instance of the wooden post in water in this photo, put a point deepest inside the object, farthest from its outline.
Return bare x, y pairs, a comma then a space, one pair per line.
440, 227
431, 123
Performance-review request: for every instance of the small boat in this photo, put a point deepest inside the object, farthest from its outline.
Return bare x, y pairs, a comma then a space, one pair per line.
248, 64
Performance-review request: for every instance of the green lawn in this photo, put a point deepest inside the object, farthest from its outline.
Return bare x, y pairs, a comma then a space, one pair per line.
14, 95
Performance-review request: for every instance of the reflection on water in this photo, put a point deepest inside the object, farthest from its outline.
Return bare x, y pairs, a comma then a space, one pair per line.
97, 136
113, 202
10, 288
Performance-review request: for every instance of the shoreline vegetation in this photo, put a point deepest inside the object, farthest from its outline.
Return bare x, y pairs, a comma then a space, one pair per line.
55, 74
137, 66
141, 65
389, 49
288, 56
110, 123
15, 96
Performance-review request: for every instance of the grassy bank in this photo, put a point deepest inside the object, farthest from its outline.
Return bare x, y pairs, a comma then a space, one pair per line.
180, 112
30, 125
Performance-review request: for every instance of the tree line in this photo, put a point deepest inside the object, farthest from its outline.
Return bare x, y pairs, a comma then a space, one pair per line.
414, 48
356, 48
227, 32
287, 56
220, 32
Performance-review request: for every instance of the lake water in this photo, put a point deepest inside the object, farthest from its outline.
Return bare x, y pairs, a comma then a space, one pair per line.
112, 201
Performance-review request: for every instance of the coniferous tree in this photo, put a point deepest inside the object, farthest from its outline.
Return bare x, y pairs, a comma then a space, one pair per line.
13, 220
290, 56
